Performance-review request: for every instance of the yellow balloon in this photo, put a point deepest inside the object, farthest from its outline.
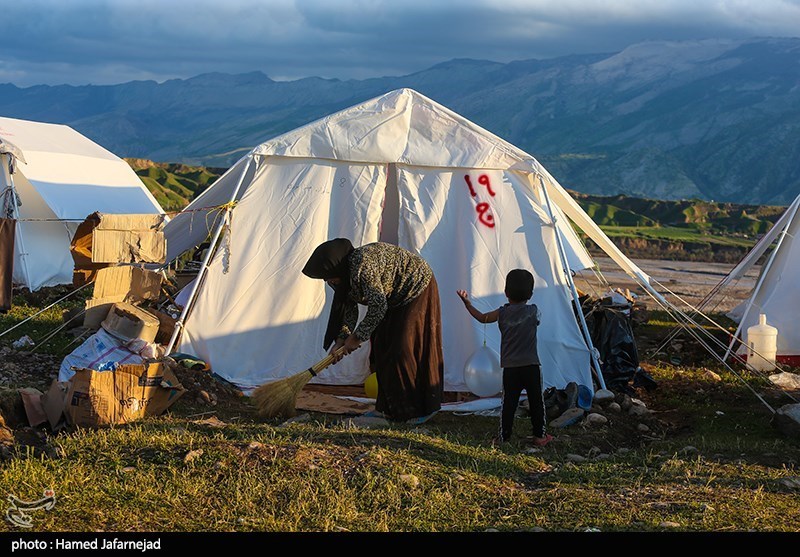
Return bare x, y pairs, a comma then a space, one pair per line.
371, 386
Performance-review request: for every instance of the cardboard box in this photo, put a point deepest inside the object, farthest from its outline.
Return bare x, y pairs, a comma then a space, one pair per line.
102, 398
97, 310
121, 283
104, 238
166, 326
127, 322
81, 250
128, 246
136, 284
32, 401
54, 401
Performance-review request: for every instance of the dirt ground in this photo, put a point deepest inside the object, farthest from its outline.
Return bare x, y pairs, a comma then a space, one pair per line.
691, 280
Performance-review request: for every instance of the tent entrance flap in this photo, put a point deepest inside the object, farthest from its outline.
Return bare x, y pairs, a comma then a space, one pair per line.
391, 207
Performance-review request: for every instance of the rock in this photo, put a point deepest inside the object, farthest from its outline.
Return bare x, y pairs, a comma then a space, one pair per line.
129, 469
596, 420
637, 402
711, 376
669, 524
787, 420
636, 410
568, 418
643, 428
594, 451
604, 396
688, 449
614, 407
205, 397
297, 419
624, 402
193, 455
410, 480
255, 445
366, 422
211, 421
786, 380
623, 450
491, 530
571, 457
533, 450
536, 529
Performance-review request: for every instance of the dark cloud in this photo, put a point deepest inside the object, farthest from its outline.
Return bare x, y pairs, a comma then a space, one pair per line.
113, 41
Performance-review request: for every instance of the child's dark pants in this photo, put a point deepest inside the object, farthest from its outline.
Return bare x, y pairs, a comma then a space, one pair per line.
515, 379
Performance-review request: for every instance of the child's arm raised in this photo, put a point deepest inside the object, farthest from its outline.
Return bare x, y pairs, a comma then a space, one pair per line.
490, 317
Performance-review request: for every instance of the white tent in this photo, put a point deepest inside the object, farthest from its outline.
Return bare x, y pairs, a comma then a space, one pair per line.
398, 168
777, 291
59, 178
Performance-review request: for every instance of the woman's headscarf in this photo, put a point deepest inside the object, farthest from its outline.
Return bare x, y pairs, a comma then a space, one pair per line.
328, 261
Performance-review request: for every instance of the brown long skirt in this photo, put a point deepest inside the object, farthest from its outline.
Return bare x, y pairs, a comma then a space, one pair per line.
406, 356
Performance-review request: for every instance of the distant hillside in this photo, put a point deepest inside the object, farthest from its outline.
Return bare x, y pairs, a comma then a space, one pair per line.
724, 219
693, 230
174, 185
711, 119
643, 228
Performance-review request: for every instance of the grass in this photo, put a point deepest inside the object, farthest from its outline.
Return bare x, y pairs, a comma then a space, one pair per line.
676, 234
709, 462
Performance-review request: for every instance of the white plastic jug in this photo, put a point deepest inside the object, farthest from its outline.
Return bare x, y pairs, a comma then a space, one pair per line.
762, 345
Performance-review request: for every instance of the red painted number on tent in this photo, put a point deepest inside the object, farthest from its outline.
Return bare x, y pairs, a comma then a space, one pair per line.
485, 215
483, 180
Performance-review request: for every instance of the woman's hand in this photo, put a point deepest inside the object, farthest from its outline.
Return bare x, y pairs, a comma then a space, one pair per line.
351, 344
463, 295
336, 345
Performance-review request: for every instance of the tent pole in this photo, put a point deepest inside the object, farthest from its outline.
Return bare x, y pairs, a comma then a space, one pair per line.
761, 278
212, 248
15, 209
575, 298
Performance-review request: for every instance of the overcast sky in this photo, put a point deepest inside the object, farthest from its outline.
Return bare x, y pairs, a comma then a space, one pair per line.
114, 41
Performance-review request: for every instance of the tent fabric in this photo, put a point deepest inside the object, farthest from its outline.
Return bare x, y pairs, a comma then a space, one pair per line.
777, 292
63, 177
258, 319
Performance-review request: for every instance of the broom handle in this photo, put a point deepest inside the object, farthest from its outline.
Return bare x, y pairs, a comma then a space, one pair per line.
326, 361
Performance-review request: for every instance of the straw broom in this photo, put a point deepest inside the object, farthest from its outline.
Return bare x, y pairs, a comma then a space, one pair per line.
279, 398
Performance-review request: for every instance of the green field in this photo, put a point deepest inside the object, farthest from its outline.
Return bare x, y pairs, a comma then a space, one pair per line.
704, 459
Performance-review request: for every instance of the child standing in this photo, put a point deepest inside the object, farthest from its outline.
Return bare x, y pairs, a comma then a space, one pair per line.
518, 322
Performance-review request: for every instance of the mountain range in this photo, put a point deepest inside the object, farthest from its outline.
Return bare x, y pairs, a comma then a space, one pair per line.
711, 119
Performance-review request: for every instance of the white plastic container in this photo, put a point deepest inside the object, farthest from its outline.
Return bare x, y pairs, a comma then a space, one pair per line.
762, 345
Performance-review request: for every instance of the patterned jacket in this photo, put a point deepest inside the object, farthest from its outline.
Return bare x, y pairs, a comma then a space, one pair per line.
382, 276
